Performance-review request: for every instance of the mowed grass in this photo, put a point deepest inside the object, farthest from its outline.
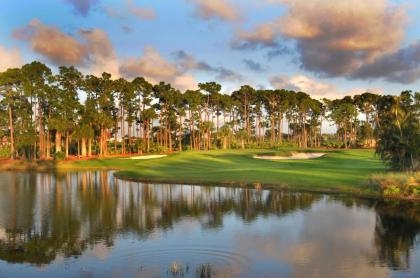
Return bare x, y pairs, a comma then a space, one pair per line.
339, 170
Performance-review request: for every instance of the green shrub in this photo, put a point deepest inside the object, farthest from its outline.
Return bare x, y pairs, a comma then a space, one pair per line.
156, 148
392, 190
416, 190
332, 144
5, 152
396, 184
59, 156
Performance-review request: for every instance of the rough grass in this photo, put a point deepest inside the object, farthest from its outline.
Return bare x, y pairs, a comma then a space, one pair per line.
339, 170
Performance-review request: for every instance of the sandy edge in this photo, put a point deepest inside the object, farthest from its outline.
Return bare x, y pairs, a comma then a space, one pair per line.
294, 156
144, 157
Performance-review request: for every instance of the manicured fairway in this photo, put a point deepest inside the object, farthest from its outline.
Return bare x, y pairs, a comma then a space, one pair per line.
339, 170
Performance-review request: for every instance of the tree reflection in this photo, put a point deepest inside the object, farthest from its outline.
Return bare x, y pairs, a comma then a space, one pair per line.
396, 229
48, 214
43, 215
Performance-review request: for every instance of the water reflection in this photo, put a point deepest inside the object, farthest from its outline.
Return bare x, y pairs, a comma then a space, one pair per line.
57, 222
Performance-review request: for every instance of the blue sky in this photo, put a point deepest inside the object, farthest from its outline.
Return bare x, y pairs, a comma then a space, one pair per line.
326, 49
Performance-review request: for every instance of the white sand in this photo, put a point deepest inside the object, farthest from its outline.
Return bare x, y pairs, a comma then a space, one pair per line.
144, 157
294, 156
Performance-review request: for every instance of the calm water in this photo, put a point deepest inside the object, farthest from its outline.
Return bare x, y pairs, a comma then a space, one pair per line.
90, 224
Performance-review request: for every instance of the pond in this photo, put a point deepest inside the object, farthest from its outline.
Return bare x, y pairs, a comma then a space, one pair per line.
91, 224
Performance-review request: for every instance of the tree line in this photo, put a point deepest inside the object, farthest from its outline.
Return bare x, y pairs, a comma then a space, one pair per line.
43, 117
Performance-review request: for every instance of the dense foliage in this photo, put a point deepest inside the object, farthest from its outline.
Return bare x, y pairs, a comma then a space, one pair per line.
398, 130
42, 117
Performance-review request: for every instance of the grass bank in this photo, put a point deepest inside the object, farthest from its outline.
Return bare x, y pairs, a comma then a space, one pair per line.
338, 171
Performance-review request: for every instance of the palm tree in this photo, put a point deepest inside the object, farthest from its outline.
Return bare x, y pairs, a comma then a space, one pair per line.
398, 131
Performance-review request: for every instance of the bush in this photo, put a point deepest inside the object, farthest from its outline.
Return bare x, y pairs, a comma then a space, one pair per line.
332, 144
268, 145
156, 148
5, 152
59, 156
397, 184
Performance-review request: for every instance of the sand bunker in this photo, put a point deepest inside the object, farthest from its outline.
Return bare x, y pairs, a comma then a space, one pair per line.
143, 157
294, 156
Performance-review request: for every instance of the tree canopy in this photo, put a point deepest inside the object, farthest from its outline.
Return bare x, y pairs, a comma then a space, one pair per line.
41, 112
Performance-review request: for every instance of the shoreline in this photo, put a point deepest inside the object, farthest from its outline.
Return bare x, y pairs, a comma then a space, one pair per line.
257, 186
204, 174
276, 187
231, 184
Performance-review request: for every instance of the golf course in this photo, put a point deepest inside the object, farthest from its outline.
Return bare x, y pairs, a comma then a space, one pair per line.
337, 171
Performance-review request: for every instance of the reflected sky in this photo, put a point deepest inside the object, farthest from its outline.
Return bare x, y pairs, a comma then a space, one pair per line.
91, 224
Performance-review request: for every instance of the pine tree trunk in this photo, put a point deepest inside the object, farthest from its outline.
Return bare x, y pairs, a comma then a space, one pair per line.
280, 129
148, 137
217, 122
209, 140
129, 138
160, 130
105, 142
41, 135
180, 133
84, 147
67, 144
48, 151
144, 131
101, 143
89, 147
122, 132
12, 134
116, 137
200, 126
272, 129
58, 142
345, 137
191, 130
169, 138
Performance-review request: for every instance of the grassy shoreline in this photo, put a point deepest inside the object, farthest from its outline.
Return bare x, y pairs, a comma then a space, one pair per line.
340, 171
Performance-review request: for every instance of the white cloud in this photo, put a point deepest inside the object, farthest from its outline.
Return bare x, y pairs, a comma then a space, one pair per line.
220, 9
156, 68
140, 12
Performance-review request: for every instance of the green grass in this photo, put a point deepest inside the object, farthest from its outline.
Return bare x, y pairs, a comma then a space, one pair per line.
339, 170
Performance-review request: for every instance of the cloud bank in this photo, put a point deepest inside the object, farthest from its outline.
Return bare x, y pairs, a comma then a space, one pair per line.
350, 38
90, 49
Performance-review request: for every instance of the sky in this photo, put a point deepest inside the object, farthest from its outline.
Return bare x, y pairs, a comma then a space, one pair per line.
325, 48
